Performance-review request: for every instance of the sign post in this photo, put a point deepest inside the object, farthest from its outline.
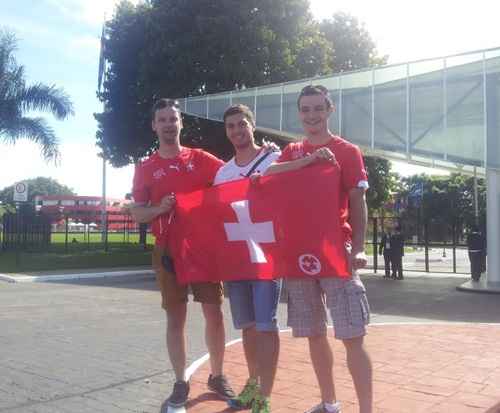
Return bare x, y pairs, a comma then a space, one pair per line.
20, 195
21, 192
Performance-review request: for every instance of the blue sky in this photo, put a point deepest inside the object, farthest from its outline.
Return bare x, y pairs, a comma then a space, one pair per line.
59, 44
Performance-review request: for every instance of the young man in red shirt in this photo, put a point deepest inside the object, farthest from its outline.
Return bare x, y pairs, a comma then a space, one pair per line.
174, 169
344, 297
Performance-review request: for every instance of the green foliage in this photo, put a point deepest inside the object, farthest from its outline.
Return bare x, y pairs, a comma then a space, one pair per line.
36, 186
177, 48
447, 201
381, 182
353, 48
17, 99
6, 208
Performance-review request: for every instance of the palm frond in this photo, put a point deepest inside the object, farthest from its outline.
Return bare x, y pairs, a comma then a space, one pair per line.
45, 98
7, 48
35, 130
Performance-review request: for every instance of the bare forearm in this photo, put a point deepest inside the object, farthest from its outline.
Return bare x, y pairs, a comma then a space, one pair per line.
359, 220
146, 214
276, 168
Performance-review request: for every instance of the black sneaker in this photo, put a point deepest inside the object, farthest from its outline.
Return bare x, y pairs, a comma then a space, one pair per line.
179, 395
220, 386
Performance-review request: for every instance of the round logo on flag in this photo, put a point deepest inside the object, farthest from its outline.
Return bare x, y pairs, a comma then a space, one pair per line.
309, 264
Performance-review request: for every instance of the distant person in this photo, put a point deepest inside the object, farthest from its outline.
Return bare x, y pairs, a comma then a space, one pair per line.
385, 250
476, 245
397, 253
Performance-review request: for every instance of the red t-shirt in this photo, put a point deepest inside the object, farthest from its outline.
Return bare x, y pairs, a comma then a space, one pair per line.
156, 177
352, 170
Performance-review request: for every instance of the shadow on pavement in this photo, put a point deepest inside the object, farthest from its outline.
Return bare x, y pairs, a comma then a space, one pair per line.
418, 297
435, 299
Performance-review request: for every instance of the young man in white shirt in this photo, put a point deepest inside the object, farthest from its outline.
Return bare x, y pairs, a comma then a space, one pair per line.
253, 303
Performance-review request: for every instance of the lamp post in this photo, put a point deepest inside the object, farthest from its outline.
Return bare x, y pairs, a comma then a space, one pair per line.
100, 77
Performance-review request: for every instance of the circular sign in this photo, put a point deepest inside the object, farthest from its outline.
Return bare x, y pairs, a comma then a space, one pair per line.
20, 187
21, 192
309, 264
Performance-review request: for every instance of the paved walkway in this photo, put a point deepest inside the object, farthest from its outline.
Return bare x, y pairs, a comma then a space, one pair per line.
98, 345
431, 368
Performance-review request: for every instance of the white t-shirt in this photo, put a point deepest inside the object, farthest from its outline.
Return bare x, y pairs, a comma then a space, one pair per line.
232, 172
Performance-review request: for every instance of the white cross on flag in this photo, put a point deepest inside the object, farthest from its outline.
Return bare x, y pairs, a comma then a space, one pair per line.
284, 225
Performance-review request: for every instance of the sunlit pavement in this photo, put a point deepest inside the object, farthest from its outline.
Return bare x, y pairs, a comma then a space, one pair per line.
98, 346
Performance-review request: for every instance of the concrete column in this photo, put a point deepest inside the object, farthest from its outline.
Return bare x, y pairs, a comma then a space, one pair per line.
493, 177
493, 225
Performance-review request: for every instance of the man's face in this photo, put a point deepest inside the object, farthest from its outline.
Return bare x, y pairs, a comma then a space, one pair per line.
167, 124
314, 114
239, 131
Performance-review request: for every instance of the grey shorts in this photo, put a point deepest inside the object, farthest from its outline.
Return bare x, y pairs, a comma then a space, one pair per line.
345, 298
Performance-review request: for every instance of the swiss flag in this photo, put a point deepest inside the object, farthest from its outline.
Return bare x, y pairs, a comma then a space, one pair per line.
283, 225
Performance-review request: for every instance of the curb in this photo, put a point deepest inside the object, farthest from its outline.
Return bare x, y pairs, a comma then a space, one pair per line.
22, 278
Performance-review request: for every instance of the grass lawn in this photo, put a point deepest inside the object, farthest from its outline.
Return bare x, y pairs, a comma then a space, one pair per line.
118, 255
82, 253
95, 237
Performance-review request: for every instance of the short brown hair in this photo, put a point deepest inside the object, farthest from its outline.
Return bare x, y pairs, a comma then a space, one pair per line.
239, 108
312, 90
165, 103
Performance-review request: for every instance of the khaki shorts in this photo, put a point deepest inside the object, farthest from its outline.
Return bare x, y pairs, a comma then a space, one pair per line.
345, 298
173, 294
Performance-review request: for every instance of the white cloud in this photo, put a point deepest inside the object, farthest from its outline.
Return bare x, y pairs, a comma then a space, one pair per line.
84, 48
91, 43
89, 11
80, 168
418, 30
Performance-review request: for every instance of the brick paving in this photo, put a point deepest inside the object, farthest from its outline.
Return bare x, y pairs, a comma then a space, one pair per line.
98, 346
431, 368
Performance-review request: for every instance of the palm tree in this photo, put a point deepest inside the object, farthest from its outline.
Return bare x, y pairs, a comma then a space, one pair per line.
17, 98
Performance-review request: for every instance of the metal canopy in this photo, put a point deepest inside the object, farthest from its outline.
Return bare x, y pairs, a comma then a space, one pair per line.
437, 112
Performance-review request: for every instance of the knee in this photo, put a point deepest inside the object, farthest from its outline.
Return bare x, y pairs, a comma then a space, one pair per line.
319, 343
267, 334
176, 320
175, 325
353, 345
213, 315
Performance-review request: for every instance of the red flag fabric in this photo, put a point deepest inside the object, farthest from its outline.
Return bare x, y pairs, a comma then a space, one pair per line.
283, 225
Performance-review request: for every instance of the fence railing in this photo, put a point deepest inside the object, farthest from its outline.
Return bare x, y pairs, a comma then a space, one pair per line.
37, 233
40, 233
422, 253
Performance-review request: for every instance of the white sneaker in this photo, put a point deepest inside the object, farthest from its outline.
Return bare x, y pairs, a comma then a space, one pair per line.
320, 408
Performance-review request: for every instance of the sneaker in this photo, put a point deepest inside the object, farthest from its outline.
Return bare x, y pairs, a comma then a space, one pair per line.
320, 408
261, 405
220, 386
246, 398
179, 395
